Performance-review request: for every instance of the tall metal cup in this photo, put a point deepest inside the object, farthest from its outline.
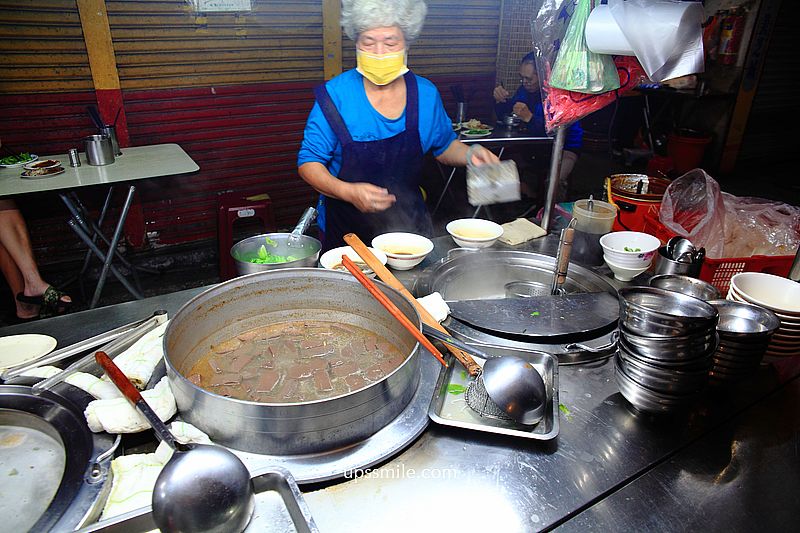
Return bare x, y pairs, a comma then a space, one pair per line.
461, 113
99, 150
666, 265
110, 131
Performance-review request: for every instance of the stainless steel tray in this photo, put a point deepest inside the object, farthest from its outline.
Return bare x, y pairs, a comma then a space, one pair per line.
449, 408
280, 507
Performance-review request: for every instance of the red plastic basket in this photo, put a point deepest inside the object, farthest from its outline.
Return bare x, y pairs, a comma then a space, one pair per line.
719, 272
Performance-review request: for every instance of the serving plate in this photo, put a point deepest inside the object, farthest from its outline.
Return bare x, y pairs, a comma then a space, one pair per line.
449, 407
475, 135
16, 350
45, 173
33, 158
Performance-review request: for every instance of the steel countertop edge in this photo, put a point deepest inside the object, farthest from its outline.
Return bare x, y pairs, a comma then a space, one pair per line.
611, 467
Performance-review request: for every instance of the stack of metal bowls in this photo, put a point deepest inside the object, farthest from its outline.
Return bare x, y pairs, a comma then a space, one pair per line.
689, 286
744, 331
666, 343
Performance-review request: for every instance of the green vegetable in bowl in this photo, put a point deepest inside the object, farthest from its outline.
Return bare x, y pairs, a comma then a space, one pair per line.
632, 249
476, 132
24, 157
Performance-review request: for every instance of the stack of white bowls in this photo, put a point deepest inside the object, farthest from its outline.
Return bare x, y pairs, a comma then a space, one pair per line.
744, 334
779, 295
665, 347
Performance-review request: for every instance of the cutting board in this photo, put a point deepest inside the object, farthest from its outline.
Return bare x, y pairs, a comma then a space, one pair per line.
540, 317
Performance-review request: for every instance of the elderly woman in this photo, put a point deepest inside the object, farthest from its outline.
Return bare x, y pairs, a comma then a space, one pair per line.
370, 128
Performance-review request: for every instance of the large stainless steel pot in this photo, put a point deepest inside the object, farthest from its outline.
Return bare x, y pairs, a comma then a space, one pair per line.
306, 250
276, 296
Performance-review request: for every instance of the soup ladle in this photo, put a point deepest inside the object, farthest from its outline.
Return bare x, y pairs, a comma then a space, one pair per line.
202, 488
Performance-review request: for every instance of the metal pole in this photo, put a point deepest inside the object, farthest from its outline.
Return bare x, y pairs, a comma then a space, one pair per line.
100, 255
555, 175
112, 247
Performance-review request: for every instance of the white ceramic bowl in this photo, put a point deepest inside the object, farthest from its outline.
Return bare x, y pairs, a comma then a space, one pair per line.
622, 273
774, 292
404, 250
641, 248
474, 232
333, 257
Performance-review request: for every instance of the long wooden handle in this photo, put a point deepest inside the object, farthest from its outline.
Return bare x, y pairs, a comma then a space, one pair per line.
132, 393
391, 307
387, 277
565, 250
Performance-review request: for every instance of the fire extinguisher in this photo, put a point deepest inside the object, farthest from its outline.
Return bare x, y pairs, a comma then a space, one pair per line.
731, 36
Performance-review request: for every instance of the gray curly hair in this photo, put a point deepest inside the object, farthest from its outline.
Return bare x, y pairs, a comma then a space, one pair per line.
362, 15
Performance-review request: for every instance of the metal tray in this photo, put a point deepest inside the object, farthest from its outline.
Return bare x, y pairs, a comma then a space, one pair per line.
451, 409
280, 507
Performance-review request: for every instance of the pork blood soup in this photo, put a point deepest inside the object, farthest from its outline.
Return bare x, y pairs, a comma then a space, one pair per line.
296, 361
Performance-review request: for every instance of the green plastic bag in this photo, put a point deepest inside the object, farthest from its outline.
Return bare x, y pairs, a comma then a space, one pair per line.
578, 69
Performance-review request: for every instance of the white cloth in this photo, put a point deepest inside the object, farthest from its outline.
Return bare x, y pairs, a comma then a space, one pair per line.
435, 305
139, 361
519, 231
134, 476
118, 415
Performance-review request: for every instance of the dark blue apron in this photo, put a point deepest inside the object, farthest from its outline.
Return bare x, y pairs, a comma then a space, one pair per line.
394, 164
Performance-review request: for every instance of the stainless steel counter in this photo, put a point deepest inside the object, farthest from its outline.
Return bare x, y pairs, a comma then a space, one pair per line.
731, 461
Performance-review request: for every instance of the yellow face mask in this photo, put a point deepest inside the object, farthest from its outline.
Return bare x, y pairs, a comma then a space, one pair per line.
381, 69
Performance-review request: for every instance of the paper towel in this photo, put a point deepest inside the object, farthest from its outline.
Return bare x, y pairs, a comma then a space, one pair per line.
603, 34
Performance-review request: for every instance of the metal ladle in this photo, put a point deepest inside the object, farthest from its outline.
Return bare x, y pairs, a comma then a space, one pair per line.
202, 488
305, 221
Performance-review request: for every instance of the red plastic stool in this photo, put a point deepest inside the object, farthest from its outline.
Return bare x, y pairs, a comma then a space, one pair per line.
230, 208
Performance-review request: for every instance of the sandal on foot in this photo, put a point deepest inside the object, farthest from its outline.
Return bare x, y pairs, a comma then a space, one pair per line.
50, 302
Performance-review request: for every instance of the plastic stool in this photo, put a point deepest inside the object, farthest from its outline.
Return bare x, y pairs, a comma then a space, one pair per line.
230, 208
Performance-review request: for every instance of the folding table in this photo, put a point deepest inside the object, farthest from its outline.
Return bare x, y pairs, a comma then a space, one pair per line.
135, 163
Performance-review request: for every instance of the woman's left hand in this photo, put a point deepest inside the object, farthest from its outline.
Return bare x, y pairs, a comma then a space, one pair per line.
481, 156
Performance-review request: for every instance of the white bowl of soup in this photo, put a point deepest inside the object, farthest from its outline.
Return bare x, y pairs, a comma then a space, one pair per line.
474, 232
403, 250
332, 259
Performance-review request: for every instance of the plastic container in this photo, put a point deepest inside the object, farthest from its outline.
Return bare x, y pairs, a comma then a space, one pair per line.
636, 195
719, 272
598, 221
687, 151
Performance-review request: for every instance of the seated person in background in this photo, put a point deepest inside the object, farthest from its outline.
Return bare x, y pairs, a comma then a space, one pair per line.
526, 103
34, 296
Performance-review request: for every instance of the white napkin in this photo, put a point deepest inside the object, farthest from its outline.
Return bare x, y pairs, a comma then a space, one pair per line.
118, 415
435, 305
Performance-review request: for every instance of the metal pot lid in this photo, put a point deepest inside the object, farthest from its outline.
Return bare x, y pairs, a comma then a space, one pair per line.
49, 459
484, 275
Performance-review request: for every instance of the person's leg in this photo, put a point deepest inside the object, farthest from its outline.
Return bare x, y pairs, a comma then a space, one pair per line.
16, 242
14, 278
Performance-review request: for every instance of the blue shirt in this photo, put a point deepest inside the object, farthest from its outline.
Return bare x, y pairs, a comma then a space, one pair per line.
364, 123
535, 126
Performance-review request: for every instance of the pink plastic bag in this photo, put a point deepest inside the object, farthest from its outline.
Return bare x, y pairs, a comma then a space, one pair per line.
693, 208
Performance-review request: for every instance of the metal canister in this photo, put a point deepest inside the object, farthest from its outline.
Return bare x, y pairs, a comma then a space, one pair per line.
98, 150
110, 131
74, 157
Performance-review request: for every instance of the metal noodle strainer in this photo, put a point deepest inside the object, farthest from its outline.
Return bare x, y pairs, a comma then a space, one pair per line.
507, 388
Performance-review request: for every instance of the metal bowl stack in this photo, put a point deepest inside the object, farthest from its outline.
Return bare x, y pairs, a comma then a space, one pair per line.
744, 331
666, 343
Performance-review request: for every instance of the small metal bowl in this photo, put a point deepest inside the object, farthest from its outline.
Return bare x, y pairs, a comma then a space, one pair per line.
686, 285
741, 320
646, 400
653, 312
